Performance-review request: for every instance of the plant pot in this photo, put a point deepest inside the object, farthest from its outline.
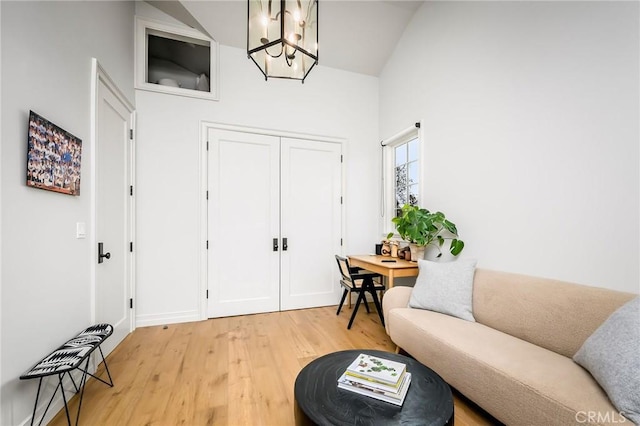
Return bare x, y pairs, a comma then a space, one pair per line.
417, 252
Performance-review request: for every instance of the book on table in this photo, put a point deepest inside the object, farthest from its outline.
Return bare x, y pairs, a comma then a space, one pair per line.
377, 377
397, 398
377, 385
377, 370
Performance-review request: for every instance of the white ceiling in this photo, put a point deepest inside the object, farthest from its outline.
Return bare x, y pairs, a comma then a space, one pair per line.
354, 35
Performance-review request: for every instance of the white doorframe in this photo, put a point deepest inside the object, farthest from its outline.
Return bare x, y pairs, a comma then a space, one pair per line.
204, 178
98, 74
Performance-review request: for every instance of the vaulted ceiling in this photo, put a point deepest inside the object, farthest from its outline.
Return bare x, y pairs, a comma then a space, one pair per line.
354, 35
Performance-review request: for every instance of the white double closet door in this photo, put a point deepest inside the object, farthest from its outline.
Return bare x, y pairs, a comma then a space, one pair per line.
274, 223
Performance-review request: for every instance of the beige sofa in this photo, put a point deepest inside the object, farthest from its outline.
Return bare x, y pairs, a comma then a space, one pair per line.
515, 361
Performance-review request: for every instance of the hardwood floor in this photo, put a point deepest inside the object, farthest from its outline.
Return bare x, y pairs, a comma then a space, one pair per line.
227, 371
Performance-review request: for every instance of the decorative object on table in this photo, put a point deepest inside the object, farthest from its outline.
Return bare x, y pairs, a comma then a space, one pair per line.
379, 249
53, 157
421, 228
377, 369
404, 253
282, 37
386, 248
374, 390
378, 378
394, 248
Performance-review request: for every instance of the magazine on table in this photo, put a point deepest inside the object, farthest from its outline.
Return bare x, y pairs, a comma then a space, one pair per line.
397, 398
377, 370
377, 385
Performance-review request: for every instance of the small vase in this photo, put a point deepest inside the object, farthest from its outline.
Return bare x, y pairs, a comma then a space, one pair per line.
386, 248
417, 252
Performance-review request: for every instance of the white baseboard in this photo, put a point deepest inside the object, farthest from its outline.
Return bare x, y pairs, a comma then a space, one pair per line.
167, 318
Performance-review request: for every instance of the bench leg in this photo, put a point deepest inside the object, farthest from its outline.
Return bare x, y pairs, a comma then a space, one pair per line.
83, 383
35, 406
64, 398
73, 381
106, 367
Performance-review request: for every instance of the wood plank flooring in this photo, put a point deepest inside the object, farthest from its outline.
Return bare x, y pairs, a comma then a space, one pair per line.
227, 371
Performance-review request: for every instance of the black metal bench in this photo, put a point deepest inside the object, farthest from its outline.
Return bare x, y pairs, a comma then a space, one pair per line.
67, 358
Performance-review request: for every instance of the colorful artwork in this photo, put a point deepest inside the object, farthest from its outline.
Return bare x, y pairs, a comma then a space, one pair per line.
53, 157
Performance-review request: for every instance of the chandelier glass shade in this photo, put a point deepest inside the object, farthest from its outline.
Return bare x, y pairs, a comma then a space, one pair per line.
282, 37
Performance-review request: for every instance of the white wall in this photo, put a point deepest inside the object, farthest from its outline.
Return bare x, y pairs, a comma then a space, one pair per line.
46, 66
530, 116
331, 103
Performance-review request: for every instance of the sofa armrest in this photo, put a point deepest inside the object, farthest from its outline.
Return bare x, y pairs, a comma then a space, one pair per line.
396, 297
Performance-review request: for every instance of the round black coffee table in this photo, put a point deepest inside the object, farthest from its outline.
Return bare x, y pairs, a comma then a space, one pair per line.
318, 400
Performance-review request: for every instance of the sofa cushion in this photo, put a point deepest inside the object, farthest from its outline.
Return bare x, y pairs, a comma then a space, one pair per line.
445, 287
556, 315
517, 382
611, 355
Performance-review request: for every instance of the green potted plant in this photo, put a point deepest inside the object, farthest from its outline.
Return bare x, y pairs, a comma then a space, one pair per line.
421, 228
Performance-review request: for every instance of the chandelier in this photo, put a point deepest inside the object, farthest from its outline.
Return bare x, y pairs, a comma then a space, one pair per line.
282, 37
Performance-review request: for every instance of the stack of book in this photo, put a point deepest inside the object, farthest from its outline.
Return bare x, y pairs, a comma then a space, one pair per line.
378, 378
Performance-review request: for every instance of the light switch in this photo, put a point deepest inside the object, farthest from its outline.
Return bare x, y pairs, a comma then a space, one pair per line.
81, 231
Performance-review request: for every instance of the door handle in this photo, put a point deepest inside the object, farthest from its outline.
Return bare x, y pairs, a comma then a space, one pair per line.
101, 254
275, 244
285, 244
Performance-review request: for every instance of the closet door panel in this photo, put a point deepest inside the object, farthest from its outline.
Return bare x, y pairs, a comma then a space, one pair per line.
243, 220
311, 212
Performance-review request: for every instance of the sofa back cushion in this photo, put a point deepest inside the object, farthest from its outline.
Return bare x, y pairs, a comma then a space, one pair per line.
556, 315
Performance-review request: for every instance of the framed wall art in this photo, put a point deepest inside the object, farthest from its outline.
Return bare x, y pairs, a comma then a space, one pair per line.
53, 157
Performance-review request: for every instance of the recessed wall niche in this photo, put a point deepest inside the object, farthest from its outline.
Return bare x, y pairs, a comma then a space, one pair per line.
175, 60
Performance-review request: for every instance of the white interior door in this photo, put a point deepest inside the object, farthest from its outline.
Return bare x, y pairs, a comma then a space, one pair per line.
113, 214
243, 221
311, 213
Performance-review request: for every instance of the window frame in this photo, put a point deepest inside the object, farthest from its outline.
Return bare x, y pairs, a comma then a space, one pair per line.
388, 174
148, 27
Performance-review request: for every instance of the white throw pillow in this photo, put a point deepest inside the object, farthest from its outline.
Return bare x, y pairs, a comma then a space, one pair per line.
612, 356
445, 287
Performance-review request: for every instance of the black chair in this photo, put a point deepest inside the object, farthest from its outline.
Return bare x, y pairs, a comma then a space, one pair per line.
360, 281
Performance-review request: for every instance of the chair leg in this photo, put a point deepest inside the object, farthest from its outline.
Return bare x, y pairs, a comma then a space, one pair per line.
369, 282
366, 304
376, 302
355, 310
344, 295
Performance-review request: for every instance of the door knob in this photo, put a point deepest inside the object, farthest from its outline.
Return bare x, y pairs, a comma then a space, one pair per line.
285, 244
101, 254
